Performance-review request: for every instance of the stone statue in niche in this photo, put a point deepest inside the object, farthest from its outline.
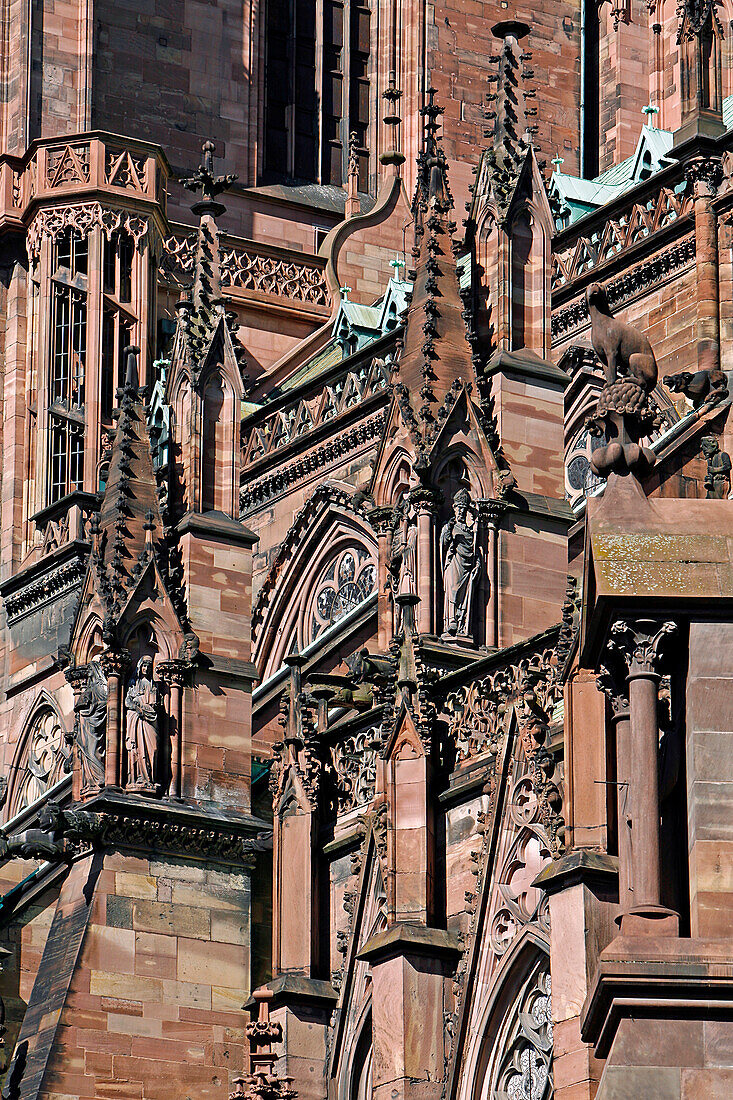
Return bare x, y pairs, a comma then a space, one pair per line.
91, 728
141, 729
403, 563
460, 559
717, 477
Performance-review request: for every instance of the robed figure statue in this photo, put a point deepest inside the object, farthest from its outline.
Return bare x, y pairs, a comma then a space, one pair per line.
403, 563
141, 728
91, 727
460, 559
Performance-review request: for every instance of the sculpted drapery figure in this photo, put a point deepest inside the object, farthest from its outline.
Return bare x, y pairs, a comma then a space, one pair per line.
460, 559
91, 726
141, 728
403, 563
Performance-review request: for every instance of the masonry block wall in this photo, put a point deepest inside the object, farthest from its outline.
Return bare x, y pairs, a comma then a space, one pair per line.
152, 971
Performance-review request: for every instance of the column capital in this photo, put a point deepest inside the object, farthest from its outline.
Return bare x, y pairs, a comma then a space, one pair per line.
172, 672
381, 518
616, 691
425, 500
704, 176
115, 662
640, 645
492, 510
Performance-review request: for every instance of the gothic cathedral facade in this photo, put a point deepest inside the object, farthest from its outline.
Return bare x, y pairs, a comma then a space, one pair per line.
366, 543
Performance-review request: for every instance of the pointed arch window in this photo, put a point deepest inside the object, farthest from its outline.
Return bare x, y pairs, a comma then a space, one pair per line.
521, 1063
345, 581
67, 366
45, 760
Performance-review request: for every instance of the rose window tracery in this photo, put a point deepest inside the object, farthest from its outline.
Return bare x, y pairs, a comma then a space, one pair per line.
345, 581
48, 751
579, 477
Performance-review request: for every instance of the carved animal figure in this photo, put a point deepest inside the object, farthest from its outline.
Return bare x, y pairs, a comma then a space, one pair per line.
701, 387
623, 351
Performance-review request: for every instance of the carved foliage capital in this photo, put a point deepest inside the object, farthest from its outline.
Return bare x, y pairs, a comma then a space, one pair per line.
704, 176
614, 688
172, 673
640, 645
115, 662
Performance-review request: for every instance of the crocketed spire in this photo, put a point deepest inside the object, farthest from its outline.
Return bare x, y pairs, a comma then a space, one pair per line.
436, 358
130, 519
511, 134
202, 308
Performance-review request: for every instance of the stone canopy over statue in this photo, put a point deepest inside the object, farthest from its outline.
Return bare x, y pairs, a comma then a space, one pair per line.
141, 729
460, 559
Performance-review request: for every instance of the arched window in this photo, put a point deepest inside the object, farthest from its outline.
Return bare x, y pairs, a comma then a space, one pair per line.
347, 578
67, 366
518, 1064
43, 760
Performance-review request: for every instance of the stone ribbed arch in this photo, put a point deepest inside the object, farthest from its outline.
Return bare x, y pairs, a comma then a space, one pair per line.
40, 755
513, 1036
326, 527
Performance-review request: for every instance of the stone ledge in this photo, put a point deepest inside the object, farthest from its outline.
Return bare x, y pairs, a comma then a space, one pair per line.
580, 865
216, 525
297, 989
644, 976
411, 939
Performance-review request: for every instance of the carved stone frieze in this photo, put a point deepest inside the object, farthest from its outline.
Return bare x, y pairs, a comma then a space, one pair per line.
355, 764
73, 830
292, 279
83, 217
281, 480
52, 584
639, 279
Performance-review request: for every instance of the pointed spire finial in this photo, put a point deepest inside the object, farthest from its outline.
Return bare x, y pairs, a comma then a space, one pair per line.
208, 184
353, 205
132, 381
392, 155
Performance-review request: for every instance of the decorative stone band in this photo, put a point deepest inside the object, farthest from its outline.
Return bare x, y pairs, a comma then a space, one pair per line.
83, 217
349, 390
116, 826
53, 584
614, 236
272, 485
575, 316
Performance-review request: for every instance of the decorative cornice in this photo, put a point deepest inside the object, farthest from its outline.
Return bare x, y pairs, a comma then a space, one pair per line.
628, 284
110, 822
57, 580
279, 481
